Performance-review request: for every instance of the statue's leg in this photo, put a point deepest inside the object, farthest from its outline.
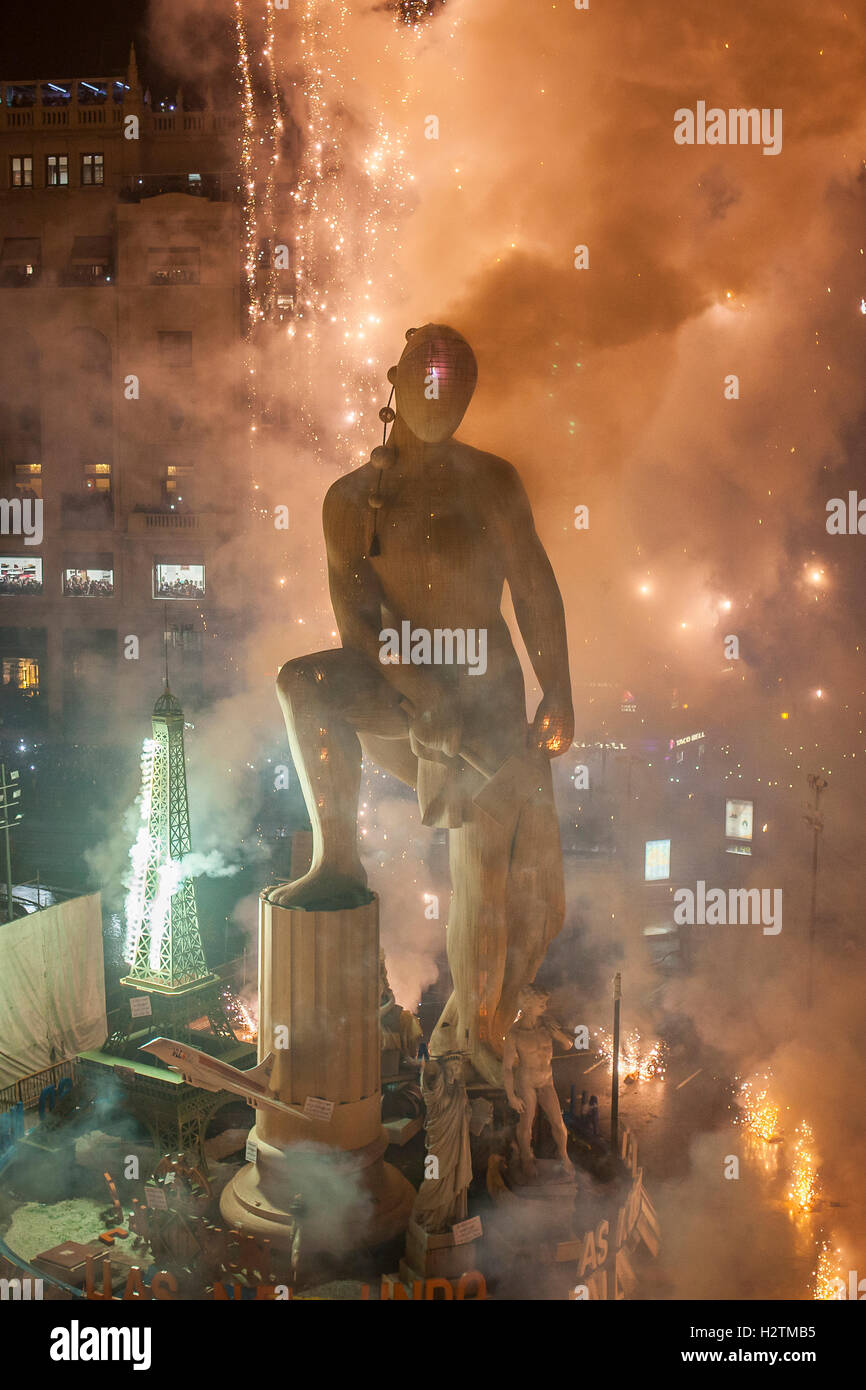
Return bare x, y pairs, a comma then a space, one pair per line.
535, 902
479, 853
524, 1130
549, 1102
326, 699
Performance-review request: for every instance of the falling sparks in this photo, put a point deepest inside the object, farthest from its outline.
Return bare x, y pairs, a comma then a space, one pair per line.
802, 1195
829, 1280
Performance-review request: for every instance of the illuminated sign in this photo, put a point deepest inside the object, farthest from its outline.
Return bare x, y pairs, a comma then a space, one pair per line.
739, 819
657, 860
689, 738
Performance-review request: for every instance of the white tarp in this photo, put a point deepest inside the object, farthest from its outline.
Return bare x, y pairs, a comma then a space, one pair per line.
52, 986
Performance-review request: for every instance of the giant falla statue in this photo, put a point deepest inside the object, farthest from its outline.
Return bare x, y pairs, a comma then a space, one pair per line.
421, 542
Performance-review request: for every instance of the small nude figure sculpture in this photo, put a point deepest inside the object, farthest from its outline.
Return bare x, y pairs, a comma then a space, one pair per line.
528, 1076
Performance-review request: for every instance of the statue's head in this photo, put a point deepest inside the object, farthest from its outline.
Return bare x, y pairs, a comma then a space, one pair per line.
533, 1001
452, 1066
434, 381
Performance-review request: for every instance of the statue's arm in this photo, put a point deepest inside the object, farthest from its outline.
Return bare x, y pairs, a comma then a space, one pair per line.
509, 1061
538, 608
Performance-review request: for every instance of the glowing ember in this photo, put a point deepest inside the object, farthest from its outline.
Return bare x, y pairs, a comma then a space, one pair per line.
638, 1061
802, 1195
828, 1276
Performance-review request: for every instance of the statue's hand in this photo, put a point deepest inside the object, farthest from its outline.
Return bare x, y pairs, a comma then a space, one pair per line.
437, 729
517, 1104
553, 725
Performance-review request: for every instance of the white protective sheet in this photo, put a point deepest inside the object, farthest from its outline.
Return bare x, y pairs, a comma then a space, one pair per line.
52, 986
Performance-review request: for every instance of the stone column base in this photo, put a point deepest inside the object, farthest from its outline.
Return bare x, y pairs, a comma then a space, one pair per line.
348, 1201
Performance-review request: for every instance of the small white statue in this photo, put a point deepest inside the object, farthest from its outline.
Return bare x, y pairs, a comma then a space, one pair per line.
528, 1076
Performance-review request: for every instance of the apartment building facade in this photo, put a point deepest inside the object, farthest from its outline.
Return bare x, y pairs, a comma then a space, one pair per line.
121, 319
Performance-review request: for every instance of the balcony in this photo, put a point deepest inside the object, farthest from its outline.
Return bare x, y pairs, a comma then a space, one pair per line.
86, 275
19, 277
87, 511
217, 188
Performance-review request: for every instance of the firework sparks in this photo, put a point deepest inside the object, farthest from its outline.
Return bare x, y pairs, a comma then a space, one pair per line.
240, 1016
759, 1115
802, 1195
828, 1277
638, 1060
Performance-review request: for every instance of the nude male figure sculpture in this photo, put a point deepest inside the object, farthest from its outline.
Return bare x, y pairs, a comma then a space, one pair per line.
428, 532
528, 1076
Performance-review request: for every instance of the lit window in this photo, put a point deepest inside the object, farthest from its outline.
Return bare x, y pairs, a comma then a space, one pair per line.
178, 484
57, 170
21, 171
20, 673
92, 169
28, 479
97, 477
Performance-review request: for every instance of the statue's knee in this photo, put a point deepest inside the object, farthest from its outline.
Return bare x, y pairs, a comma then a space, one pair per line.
294, 678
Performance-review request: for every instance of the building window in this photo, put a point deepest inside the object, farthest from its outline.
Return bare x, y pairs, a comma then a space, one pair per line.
21, 171
87, 582
20, 673
175, 349
178, 581
20, 260
57, 170
186, 638
178, 486
173, 265
92, 170
97, 477
19, 575
28, 479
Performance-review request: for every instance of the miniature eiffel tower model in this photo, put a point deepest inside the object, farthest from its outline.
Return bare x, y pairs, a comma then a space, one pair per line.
168, 961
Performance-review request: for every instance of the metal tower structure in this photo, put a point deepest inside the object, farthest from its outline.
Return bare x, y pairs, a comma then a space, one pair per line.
168, 957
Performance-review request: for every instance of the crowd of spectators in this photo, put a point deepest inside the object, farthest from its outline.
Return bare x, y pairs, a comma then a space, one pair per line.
13, 583
180, 588
78, 585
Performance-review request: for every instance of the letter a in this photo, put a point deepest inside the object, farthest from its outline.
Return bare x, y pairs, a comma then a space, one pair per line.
431, 127
732, 647
431, 387
732, 388
130, 387
732, 1166
581, 257
581, 517
839, 516
684, 131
